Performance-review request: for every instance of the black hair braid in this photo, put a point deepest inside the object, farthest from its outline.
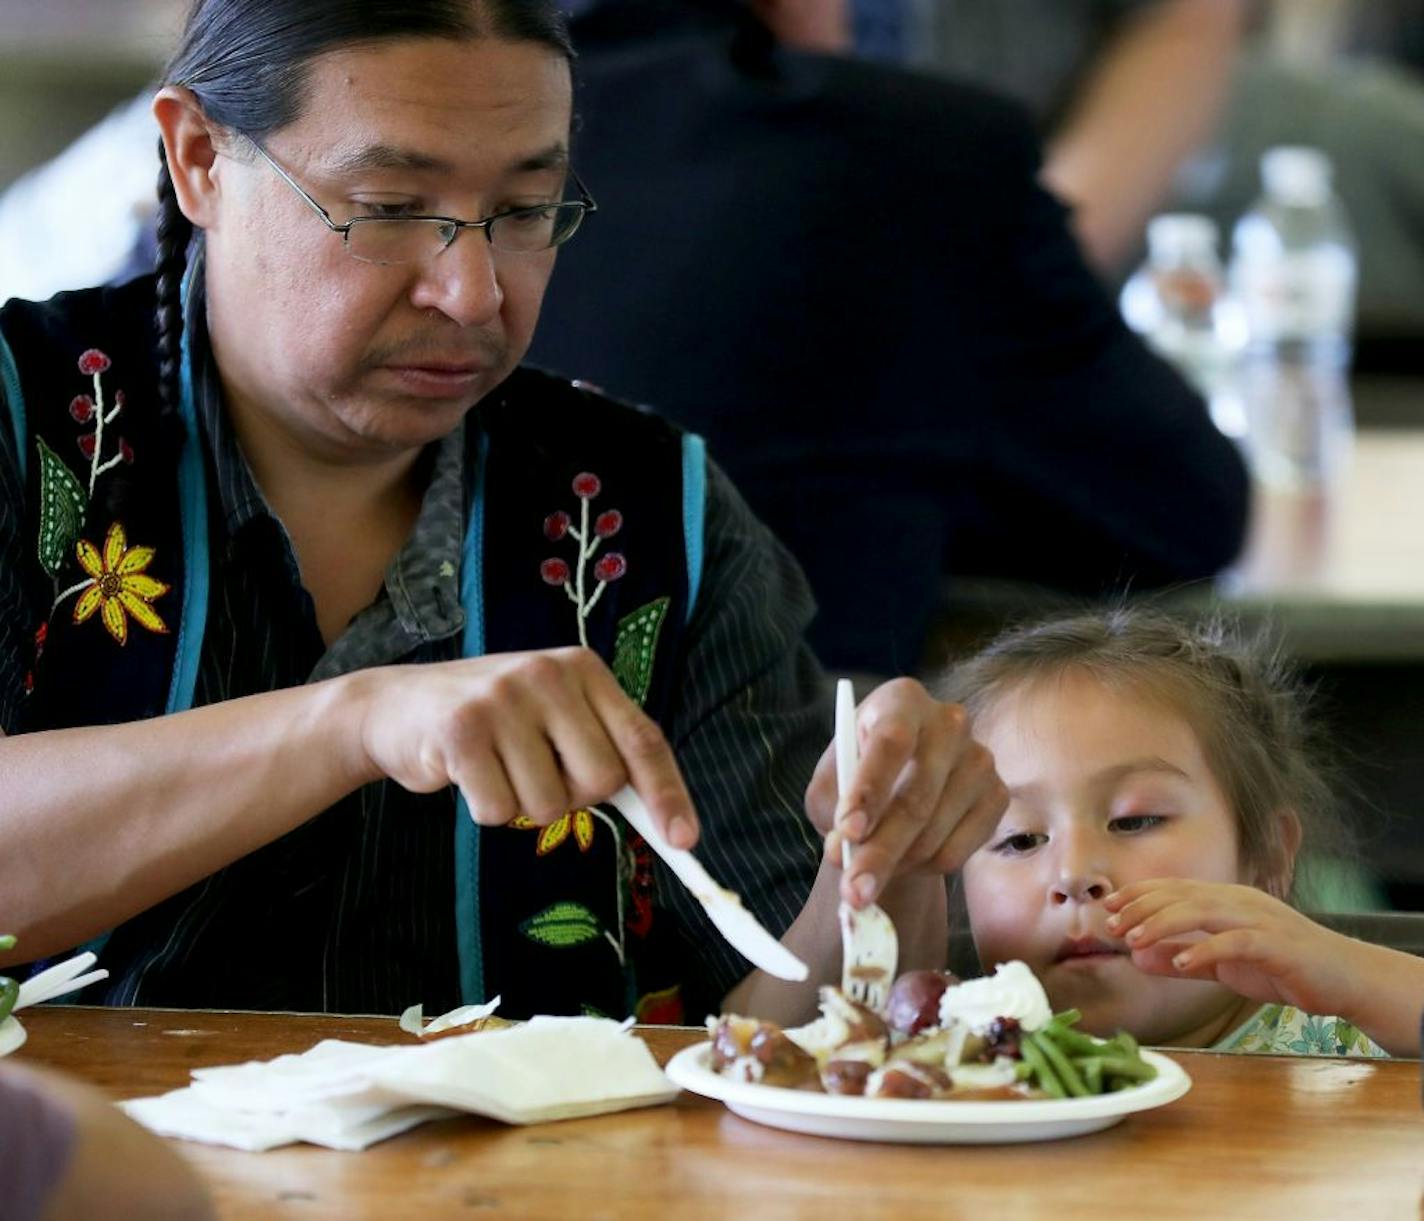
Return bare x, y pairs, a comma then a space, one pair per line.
174, 231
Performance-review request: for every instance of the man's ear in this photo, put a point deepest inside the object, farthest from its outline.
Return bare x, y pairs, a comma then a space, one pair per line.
190, 141
1277, 876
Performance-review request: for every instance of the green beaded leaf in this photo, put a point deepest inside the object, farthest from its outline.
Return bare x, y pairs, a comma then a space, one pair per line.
62, 504
635, 646
563, 925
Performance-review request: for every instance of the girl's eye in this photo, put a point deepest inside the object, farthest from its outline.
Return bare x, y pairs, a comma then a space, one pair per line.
1020, 842
1131, 823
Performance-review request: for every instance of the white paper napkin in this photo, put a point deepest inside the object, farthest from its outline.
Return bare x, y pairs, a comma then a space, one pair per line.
350, 1095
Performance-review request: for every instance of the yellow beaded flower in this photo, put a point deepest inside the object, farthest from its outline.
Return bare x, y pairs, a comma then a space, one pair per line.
117, 586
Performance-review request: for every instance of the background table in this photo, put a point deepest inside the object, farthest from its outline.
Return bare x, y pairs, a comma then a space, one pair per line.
1256, 1136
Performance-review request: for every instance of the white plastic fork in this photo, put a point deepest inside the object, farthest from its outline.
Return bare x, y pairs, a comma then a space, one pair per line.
869, 947
67, 976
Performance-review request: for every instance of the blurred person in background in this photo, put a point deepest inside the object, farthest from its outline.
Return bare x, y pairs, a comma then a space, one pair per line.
70, 1155
1124, 92
1167, 105
848, 278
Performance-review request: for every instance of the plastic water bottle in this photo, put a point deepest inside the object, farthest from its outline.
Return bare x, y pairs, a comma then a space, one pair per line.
1177, 301
1294, 271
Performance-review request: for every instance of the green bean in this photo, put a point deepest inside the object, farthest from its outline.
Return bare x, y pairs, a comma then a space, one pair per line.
1092, 1069
1126, 1043
1042, 1069
1073, 1042
1069, 1017
9, 994
1061, 1064
1133, 1069
7, 941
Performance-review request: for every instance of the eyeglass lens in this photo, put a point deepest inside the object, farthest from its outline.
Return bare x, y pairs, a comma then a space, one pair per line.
410, 239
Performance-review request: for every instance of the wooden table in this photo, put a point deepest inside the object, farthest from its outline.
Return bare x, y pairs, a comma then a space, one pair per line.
1256, 1136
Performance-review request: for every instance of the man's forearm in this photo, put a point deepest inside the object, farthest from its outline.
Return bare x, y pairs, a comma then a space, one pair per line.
1153, 100
101, 823
918, 907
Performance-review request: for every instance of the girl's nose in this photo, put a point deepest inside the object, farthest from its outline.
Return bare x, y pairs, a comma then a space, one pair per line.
1079, 865
1080, 887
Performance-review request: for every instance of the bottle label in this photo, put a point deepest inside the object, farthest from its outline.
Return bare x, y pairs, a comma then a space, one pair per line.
1307, 294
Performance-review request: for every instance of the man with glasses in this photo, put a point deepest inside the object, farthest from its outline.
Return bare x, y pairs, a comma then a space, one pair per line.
240, 500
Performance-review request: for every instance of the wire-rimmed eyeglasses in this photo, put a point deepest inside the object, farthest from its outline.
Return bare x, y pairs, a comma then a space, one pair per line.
413, 239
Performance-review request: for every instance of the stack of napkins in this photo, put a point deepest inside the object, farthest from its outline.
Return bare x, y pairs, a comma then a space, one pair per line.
350, 1095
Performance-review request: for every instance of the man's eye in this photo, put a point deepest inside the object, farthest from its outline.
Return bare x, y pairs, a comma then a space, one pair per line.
1130, 823
388, 211
528, 214
1020, 842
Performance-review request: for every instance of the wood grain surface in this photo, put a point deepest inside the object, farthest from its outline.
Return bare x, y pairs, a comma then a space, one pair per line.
1255, 1137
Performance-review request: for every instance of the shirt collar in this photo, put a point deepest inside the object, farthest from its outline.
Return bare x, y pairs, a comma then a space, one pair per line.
422, 582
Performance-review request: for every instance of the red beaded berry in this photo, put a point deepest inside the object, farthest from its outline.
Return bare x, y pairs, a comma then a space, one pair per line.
556, 525
611, 566
587, 485
608, 524
93, 361
81, 408
554, 571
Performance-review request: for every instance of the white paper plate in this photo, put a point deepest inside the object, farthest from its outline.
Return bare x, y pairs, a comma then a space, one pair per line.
918, 1121
12, 1035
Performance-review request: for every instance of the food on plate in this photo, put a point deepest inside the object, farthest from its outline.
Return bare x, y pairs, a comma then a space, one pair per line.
994, 1038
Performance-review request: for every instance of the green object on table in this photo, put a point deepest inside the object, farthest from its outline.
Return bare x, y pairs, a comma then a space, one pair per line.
1062, 1066
9, 994
9, 989
1042, 1070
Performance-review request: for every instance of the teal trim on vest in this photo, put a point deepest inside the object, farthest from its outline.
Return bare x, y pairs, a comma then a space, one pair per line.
193, 508
10, 380
694, 510
193, 505
467, 832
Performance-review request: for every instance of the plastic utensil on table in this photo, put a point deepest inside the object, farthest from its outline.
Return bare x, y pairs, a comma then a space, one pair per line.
736, 923
869, 947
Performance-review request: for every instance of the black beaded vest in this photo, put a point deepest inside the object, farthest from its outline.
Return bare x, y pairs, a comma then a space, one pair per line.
584, 526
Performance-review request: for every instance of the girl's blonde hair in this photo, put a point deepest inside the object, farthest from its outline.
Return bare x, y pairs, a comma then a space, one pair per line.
1245, 704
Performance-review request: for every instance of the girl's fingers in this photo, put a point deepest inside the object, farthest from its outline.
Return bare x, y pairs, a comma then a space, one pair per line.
1202, 959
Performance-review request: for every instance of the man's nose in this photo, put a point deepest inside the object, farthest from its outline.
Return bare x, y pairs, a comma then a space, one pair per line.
462, 281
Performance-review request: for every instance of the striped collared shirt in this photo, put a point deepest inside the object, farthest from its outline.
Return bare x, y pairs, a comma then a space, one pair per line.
354, 910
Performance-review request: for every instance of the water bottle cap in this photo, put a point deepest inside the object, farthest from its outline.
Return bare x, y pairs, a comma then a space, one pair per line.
1180, 237
1296, 175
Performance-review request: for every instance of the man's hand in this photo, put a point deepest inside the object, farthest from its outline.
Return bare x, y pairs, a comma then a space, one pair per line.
925, 795
536, 734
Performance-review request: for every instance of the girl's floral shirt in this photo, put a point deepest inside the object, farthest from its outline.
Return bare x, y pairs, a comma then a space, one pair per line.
1283, 1030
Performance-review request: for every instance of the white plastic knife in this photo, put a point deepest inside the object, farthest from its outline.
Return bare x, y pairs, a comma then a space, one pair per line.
724, 907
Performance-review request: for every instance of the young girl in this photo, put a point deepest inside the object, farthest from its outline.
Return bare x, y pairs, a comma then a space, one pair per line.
1159, 791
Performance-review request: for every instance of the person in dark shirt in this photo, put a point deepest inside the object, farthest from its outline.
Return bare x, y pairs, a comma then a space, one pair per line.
848, 278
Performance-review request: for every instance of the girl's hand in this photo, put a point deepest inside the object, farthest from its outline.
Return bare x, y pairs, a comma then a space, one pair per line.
1241, 937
